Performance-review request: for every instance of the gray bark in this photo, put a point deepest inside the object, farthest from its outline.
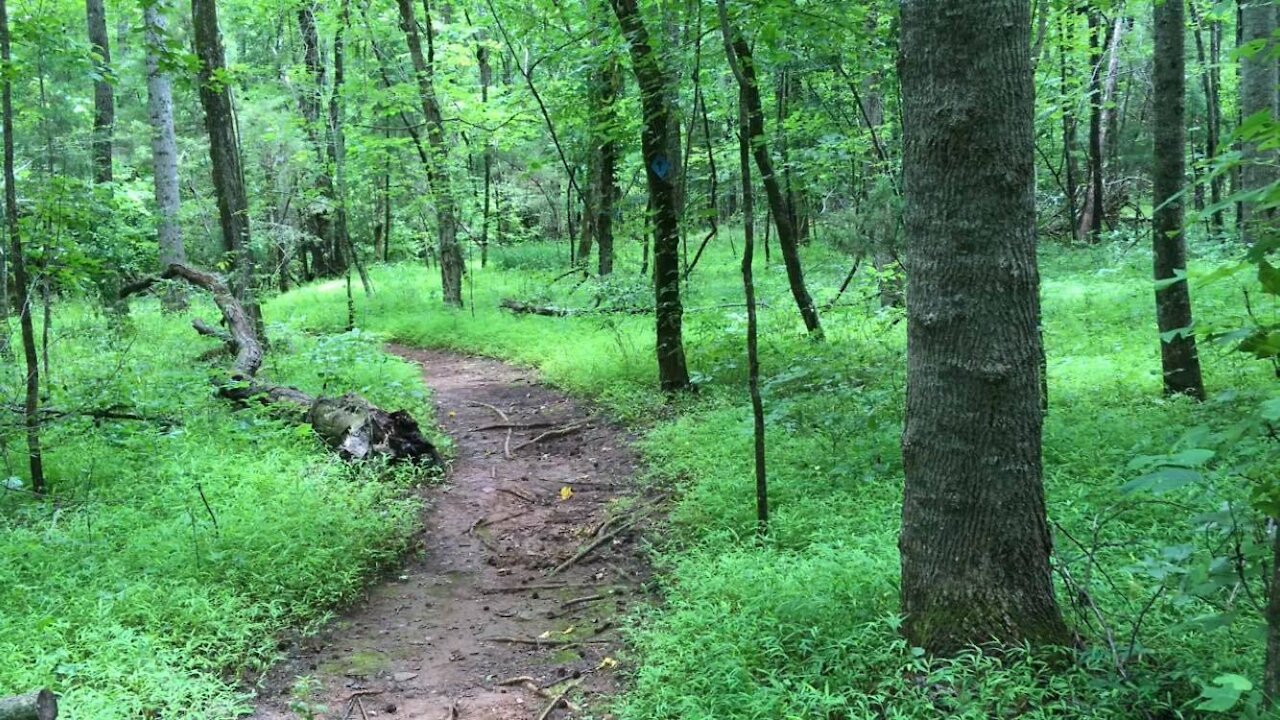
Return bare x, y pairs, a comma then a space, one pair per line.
1258, 79
39, 705
164, 144
438, 155
104, 110
975, 542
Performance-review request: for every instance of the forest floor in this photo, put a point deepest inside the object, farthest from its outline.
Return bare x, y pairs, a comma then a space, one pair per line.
536, 478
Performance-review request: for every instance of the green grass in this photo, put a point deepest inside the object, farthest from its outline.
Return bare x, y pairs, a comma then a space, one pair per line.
128, 595
804, 626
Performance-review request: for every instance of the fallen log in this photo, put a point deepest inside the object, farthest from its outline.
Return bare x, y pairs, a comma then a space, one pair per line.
39, 705
350, 425
522, 308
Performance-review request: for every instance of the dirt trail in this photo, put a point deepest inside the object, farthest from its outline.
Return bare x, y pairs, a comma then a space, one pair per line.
422, 645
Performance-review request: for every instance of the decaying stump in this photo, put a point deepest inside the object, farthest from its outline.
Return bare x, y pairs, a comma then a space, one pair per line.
354, 428
39, 705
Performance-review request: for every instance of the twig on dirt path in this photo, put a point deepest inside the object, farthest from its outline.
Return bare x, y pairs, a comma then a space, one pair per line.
546, 642
486, 522
520, 494
495, 408
524, 588
584, 552
638, 513
532, 686
518, 680
556, 701
568, 607
453, 710
506, 420
512, 426
552, 434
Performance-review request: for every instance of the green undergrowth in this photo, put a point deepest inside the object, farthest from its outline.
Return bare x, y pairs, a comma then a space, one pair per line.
804, 625
173, 551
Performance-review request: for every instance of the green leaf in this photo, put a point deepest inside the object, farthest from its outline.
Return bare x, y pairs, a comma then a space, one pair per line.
1269, 276
1224, 693
1163, 480
1271, 410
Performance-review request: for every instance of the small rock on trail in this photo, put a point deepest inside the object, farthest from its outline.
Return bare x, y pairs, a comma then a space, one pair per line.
478, 625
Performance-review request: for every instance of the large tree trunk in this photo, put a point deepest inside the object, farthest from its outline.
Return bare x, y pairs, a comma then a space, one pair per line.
975, 543
21, 281
1178, 356
224, 150
164, 144
662, 173
40, 705
438, 157
739, 55
104, 106
1258, 81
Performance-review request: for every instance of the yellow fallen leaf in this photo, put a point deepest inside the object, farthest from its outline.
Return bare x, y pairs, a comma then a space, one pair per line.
607, 664
545, 635
568, 631
453, 414
566, 492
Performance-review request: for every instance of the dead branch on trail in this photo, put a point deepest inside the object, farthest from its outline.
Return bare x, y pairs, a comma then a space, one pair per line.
524, 588
350, 425
520, 494
552, 434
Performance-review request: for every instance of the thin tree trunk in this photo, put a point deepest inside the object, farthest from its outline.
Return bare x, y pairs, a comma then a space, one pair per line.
739, 55
486, 80
1091, 217
1068, 133
317, 216
1213, 109
224, 151
749, 290
164, 148
104, 107
438, 157
661, 173
1178, 357
21, 281
975, 542
337, 151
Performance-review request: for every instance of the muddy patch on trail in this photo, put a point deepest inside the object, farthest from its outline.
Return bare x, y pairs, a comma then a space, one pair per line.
528, 562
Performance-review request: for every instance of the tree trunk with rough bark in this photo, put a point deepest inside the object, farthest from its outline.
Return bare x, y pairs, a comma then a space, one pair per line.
39, 705
738, 53
1178, 356
318, 215
21, 280
438, 165
164, 145
662, 173
104, 105
224, 150
1258, 81
975, 542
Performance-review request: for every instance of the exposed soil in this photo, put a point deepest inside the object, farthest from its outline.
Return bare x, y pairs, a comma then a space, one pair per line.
481, 604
